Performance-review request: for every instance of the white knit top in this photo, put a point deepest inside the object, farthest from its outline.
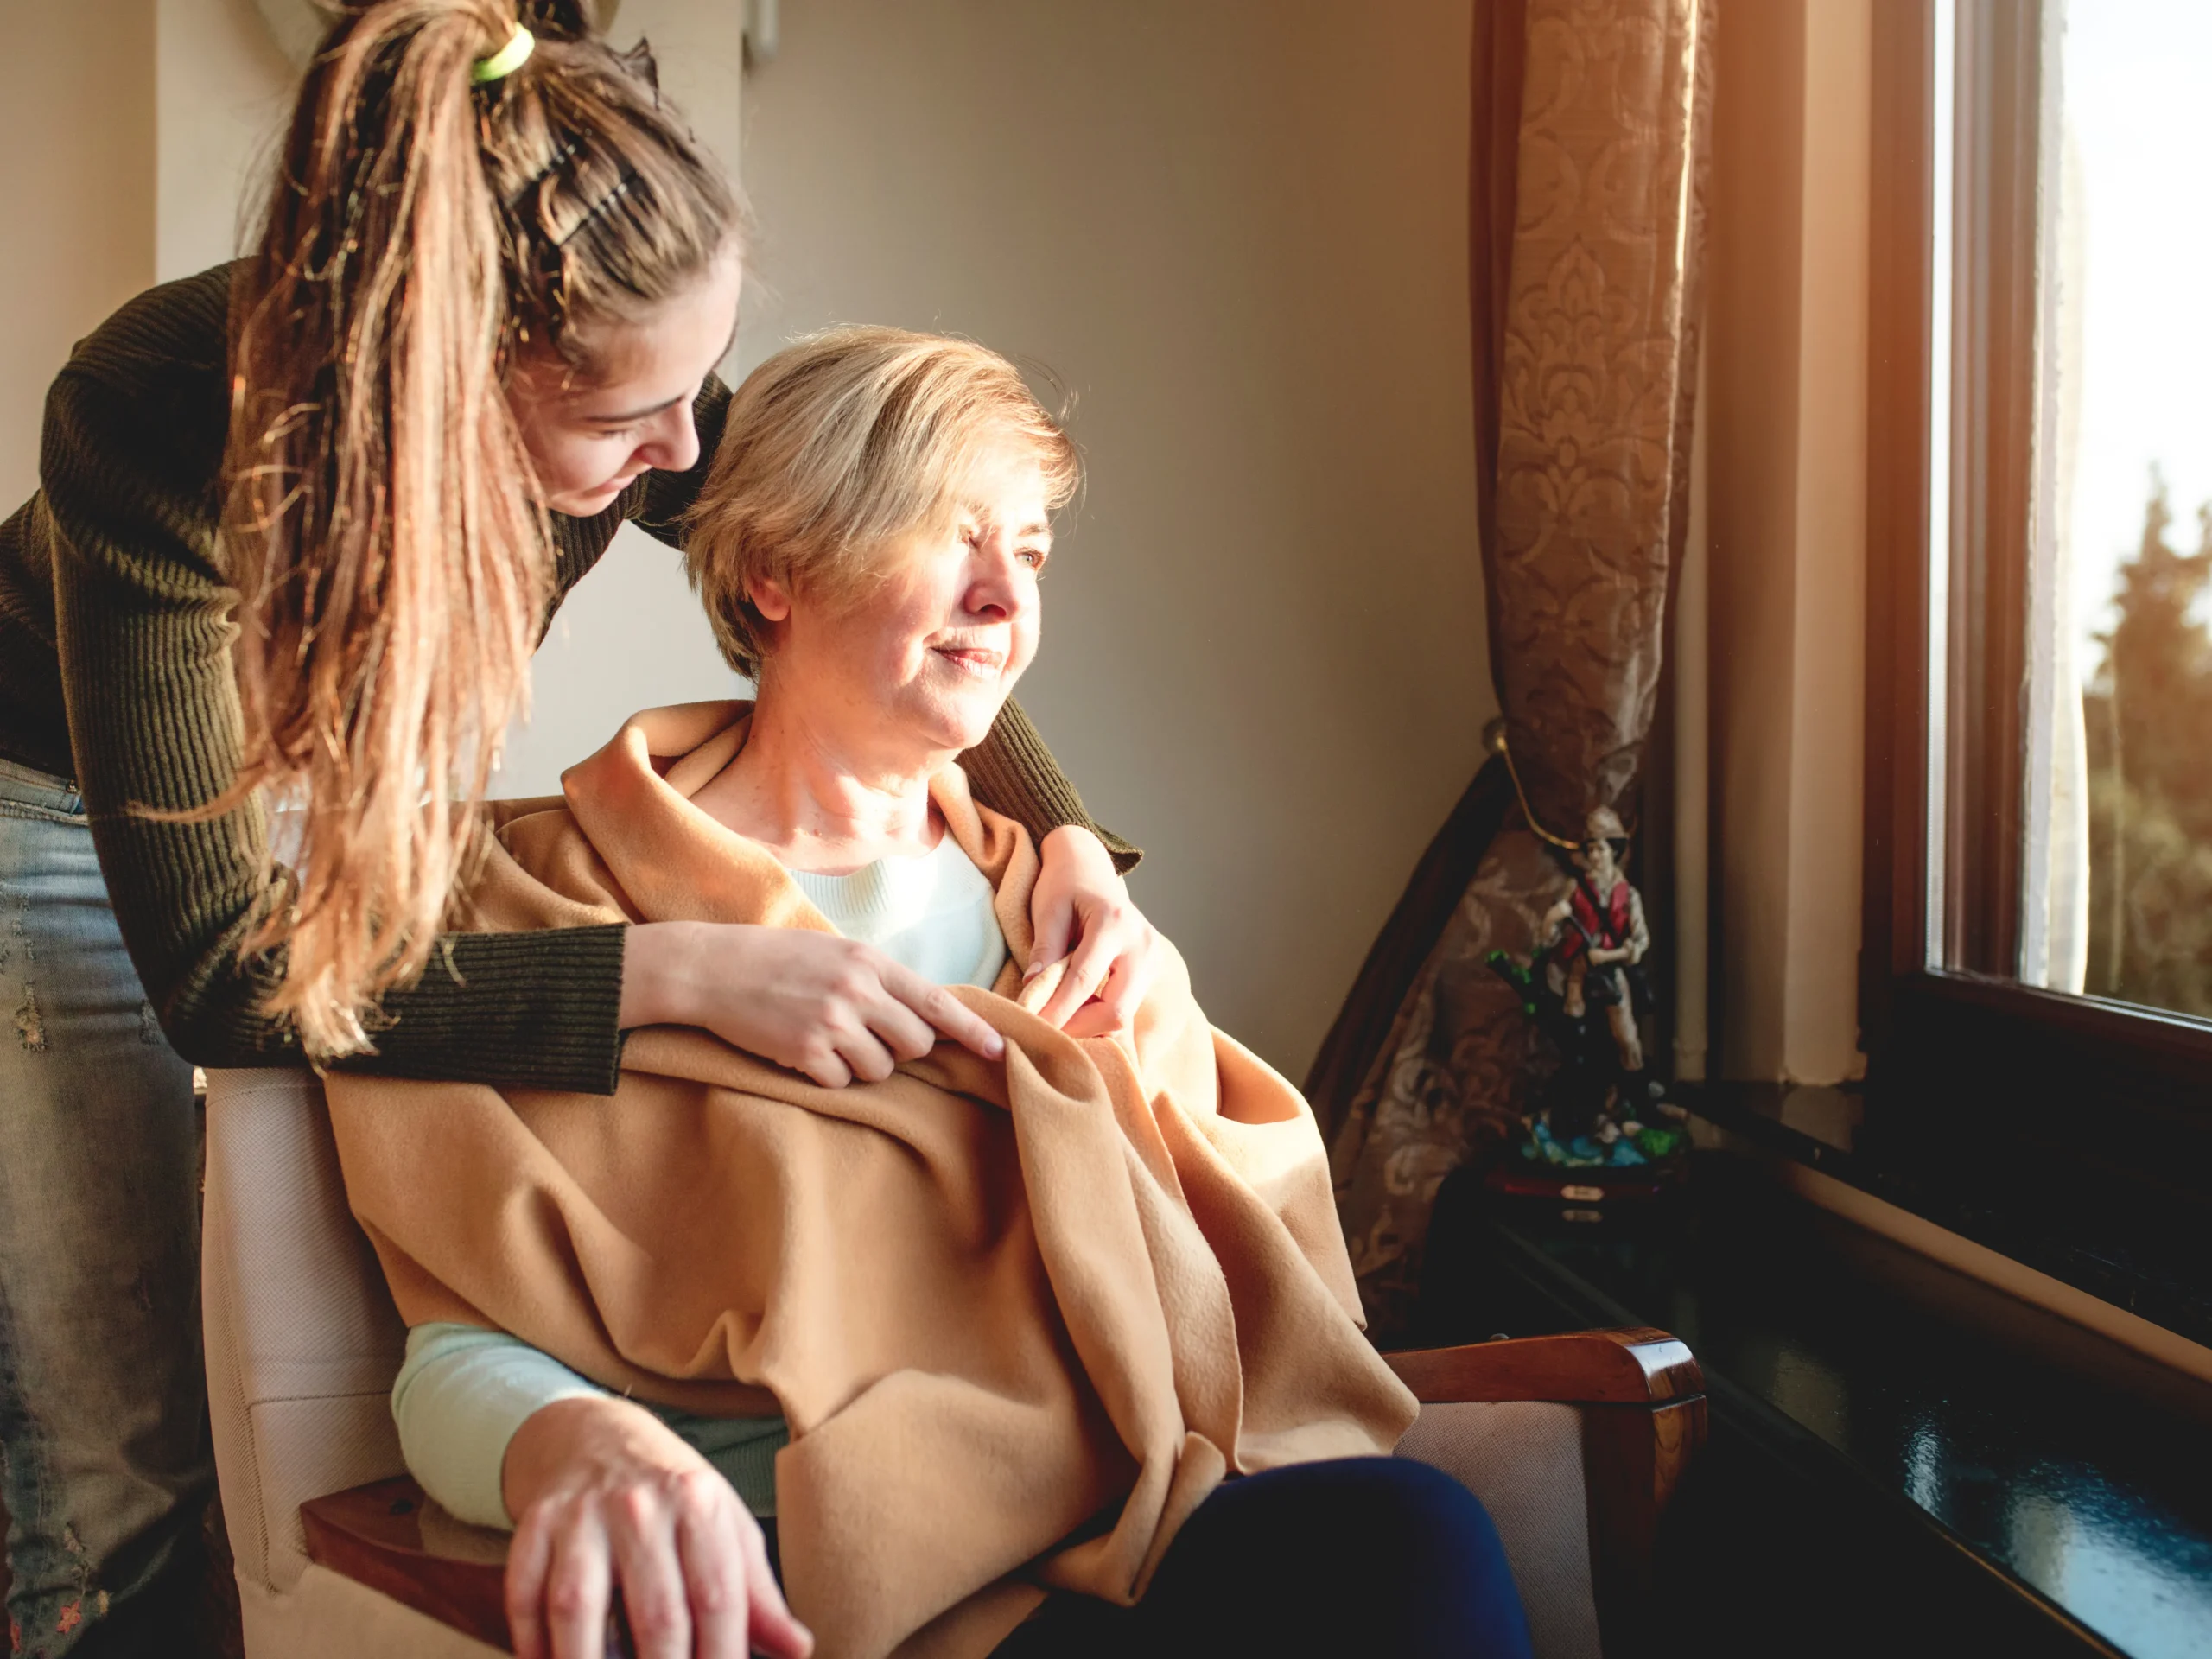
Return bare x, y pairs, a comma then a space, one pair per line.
933, 913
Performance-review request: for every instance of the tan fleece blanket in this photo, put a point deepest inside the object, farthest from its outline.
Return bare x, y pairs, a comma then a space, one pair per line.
996, 1301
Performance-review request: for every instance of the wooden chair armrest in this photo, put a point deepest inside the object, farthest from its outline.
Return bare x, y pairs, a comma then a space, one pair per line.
1633, 1367
391, 1538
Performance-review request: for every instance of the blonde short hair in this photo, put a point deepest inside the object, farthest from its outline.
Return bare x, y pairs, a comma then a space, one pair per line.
838, 447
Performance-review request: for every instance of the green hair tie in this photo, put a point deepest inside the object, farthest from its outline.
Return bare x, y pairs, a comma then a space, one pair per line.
505, 61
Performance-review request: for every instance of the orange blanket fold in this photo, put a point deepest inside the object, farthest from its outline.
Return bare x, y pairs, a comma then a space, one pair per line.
994, 1300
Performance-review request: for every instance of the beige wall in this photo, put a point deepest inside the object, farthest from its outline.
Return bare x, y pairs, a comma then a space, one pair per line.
77, 193
1786, 522
1238, 231
224, 91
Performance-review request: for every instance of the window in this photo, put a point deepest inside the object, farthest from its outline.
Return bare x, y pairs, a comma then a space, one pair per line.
2037, 980
2071, 781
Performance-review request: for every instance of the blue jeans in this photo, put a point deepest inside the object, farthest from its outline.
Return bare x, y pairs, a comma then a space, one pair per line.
1342, 1559
103, 1399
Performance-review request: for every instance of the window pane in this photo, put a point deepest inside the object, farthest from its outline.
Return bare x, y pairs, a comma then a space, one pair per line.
1943, 275
2117, 815
2071, 601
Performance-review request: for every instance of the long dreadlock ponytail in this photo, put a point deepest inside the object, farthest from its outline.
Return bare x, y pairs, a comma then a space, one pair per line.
381, 518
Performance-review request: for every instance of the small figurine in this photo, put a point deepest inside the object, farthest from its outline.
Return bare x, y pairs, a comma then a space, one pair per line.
1597, 931
1595, 1108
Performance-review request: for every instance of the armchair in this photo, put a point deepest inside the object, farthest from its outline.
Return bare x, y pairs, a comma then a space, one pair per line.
1573, 1443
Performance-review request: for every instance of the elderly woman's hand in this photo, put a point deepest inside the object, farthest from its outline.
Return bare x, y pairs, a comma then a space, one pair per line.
1082, 906
609, 1498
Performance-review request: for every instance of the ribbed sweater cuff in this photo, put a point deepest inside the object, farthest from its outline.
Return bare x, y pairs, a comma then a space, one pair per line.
534, 1010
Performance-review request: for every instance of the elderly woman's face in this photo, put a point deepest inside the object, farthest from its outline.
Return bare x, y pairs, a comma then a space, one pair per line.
931, 651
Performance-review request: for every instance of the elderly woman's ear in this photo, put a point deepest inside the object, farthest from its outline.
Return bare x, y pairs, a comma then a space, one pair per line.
770, 600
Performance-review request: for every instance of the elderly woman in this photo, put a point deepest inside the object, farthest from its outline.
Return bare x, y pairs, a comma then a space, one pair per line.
1058, 1311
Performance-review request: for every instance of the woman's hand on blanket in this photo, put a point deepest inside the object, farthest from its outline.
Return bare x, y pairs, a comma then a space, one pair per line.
608, 1497
1082, 910
830, 1006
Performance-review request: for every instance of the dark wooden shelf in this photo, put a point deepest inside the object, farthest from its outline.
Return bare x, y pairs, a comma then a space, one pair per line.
2143, 1257
1901, 1457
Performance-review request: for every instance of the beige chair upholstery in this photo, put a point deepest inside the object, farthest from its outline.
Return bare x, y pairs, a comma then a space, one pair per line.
303, 1346
304, 1343
1523, 1458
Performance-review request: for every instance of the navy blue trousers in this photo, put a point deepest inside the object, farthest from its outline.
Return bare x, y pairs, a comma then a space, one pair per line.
1365, 1556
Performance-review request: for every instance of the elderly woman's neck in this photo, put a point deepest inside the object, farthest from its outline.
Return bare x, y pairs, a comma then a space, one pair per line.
822, 800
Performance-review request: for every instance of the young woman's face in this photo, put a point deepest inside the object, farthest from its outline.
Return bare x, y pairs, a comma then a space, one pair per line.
924, 657
589, 439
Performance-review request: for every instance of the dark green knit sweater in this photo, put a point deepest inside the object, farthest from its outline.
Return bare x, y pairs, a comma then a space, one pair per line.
115, 670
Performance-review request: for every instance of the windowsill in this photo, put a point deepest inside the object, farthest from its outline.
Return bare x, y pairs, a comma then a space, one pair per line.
1953, 1452
2095, 1254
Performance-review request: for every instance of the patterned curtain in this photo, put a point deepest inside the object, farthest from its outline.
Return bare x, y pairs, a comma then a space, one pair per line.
1586, 216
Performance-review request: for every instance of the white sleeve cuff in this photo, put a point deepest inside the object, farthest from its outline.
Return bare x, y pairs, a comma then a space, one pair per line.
458, 1401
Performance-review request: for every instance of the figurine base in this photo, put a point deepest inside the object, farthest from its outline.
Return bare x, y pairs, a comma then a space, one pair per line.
1587, 1197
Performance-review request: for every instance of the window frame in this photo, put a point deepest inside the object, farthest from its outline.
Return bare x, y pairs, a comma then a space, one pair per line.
2072, 1131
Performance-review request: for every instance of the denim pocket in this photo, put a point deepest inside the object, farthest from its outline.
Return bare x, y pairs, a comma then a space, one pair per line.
26, 792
